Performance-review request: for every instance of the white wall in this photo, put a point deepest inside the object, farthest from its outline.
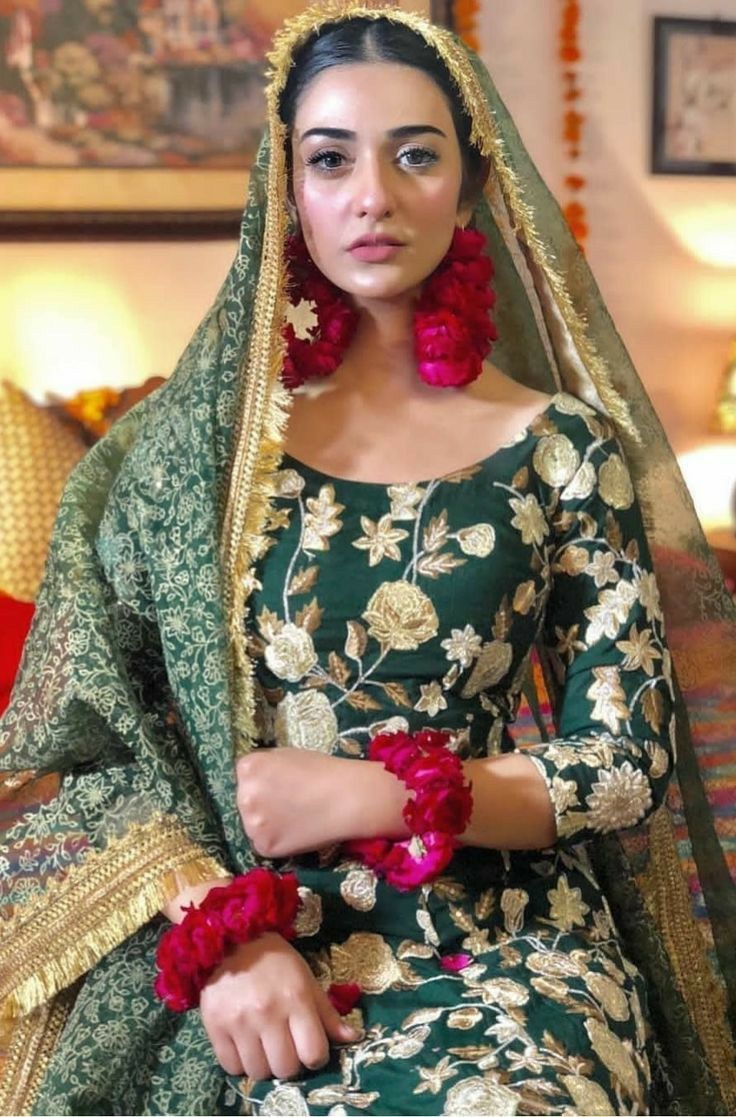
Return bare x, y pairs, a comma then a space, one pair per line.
675, 311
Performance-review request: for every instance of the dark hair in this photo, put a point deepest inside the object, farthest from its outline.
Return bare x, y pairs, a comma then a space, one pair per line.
382, 40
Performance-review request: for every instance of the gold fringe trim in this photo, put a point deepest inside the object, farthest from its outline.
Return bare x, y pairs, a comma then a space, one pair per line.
29, 1053
665, 892
59, 935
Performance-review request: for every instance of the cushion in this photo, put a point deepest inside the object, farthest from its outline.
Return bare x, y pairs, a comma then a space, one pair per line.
15, 620
37, 452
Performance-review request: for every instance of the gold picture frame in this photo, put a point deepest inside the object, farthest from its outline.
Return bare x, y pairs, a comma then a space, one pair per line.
42, 200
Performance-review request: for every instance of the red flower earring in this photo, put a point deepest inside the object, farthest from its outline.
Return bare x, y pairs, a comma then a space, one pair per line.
321, 351
453, 330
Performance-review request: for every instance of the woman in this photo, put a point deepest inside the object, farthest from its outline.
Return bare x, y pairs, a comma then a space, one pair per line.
387, 583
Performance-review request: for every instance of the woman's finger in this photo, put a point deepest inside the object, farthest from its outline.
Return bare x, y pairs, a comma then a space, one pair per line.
309, 1037
278, 1047
226, 1053
252, 1056
337, 1029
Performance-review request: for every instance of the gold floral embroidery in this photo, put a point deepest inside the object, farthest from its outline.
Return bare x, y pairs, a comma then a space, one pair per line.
588, 1096
566, 906
288, 483
602, 568
478, 540
614, 1055
647, 589
610, 613
322, 519
290, 654
620, 798
463, 645
404, 501
513, 906
432, 699
480, 1096
609, 994
367, 960
639, 652
556, 460
582, 484
609, 698
358, 889
306, 720
432, 1078
614, 483
529, 519
381, 539
401, 616
309, 917
464, 1018
490, 667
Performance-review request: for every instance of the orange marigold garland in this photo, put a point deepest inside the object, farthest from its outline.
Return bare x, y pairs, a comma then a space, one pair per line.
573, 119
465, 22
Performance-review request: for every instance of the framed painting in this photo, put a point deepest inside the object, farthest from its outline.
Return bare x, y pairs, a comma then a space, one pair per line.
131, 118
694, 102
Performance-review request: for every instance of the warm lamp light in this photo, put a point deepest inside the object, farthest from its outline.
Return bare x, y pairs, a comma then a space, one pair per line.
710, 234
64, 332
710, 472
725, 417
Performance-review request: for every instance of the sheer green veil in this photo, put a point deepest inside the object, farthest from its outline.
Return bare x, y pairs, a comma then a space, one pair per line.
136, 684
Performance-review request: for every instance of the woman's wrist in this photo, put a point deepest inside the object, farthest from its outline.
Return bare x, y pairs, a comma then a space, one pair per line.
174, 910
373, 801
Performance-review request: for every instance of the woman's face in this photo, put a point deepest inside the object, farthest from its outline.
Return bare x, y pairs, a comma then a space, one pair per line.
375, 154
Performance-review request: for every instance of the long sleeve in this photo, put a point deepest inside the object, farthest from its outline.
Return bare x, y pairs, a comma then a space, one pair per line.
610, 764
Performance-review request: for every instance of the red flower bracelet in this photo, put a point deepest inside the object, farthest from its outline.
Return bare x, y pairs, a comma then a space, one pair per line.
438, 812
249, 906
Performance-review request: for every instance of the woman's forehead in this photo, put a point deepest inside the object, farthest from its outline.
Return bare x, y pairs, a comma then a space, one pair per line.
360, 95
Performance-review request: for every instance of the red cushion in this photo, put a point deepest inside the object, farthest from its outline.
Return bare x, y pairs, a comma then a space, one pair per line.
15, 620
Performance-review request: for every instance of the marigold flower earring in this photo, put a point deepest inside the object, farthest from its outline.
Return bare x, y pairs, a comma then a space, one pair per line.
453, 328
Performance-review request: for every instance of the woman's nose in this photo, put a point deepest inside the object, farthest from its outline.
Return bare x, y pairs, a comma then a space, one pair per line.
373, 194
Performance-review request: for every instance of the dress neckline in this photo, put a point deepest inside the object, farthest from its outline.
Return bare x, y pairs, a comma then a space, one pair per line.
516, 440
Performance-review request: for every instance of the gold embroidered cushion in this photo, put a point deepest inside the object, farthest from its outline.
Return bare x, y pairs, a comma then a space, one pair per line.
37, 453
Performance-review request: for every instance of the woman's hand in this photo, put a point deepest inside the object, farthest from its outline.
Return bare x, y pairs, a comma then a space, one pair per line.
293, 801
265, 1013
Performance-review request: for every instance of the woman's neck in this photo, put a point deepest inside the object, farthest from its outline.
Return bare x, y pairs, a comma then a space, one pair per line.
380, 362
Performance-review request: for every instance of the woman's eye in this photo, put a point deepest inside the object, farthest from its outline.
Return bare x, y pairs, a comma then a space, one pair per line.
418, 156
326, 160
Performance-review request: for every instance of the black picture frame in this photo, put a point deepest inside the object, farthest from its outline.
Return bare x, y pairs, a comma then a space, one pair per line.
694, 97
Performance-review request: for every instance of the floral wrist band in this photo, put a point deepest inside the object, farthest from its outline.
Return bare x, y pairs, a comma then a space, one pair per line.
249, 906
440, 809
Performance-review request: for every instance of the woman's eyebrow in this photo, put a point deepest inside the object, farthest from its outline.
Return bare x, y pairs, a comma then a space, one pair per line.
401, 133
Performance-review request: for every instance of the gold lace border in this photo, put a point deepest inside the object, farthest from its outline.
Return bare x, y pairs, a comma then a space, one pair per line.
61, 933
665, 893
30, 1047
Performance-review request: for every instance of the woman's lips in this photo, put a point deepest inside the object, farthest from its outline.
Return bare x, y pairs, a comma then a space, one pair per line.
375, 253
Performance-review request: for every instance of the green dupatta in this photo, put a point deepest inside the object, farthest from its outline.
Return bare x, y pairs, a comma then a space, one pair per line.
136, 687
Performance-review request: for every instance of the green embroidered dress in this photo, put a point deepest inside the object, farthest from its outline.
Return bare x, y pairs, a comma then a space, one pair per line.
410, 605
